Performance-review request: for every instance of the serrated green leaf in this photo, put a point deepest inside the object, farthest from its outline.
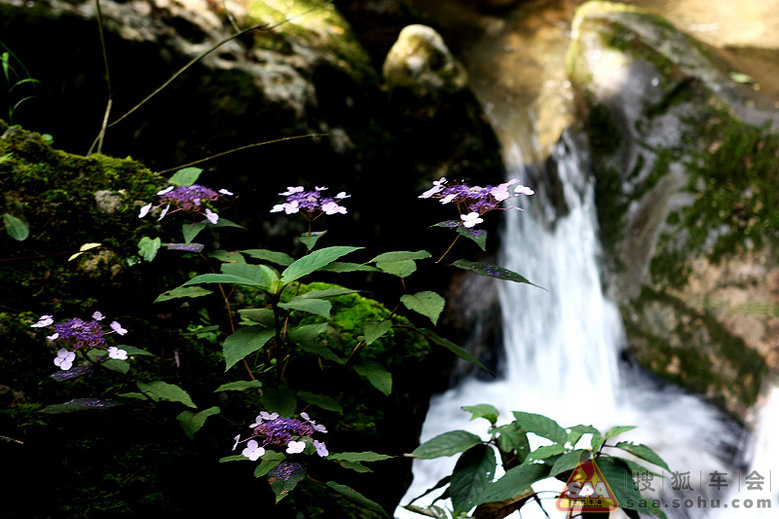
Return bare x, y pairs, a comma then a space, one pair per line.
244, 342
293, 473
269, 460
513, 439
258, 276
271, 256
280, 400
546, 451
355, 466
227, 256
446, 444
306, 333
314, 261
486, 411
472, 473
597, 442
148, 247
399, 263
345, 266
618, 429
479, 236
578, 431
159, 390
192, 422
541, 425
185, 176
240, 385
118, 365
400, 255
492, 271
454, 348
313, 306
191, 230
182, 292
17, 229
261, 316
643, 452
379, 377
322, 401
375, 329
426, 303
619, 481
569, 461
327, 292
514, 482
356, 497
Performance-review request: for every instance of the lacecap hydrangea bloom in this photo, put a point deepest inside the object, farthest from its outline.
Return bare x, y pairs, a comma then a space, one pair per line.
76, 334
474, 201
311, 202
194, 199
289, 434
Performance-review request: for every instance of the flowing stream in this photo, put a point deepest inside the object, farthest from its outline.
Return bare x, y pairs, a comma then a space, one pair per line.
563, 353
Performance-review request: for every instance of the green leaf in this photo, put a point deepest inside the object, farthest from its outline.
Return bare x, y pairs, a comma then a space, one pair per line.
643, 452
313, 262
399, 263
618, 429
446, 444
148, 247
309, 239
80, 404
234, 457
192, 422
597, 442
269, 460
280, 400
345, 266
258, 276
375, 329
245, 341
293, 472
262, 316
546, 451
313, 306
182, 292
132, 350
492, 271
227, 256
240, 385
454, 348
578, 431
569, 461
191, 230
17, 229
619, 480
118, 365
185, 177
379, 377
479, 236
426, 303
321, 350
513, 439
355, 466
356, 497
358, 456
271, 256
472, 473
328, 292
159, 390
542, 426
322, 401
486, 411
306, 333
514, 482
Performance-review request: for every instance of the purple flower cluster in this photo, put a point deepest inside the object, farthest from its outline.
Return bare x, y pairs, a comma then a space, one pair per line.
191, 199
75, 334
298, 199
473, 202
290, 434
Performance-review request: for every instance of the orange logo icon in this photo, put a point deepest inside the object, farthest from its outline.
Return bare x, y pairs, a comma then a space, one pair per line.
586, 491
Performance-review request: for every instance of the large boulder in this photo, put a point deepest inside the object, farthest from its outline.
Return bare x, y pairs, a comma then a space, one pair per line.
686, 165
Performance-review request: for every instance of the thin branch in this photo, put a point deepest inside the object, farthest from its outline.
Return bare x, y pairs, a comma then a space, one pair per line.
109, 104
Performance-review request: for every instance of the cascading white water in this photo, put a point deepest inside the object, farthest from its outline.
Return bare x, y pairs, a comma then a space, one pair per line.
562, 349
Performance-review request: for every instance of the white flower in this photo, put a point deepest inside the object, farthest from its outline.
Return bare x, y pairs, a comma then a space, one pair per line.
115, 326
471, 219
292, 191
237, 441
268, 416
342, 194
294, 447
53, 337
64, 359
321, 448
448, 198
144, 210
320, 188
225, 192
117, 353
166, 190
438, 185
164, 212
97, 316
45, 320
501, 192
253, 451
333, 208
523, 190
211, 216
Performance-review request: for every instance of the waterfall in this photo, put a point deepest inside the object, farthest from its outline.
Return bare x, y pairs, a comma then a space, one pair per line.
563, 350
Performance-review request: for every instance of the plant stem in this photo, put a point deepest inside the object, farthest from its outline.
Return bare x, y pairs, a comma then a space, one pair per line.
450, 248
